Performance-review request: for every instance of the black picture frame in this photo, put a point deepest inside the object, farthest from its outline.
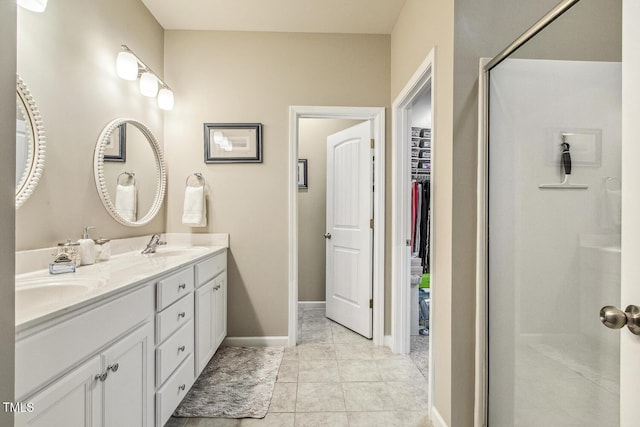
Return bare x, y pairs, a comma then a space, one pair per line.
121, 149
303, 175
242, 142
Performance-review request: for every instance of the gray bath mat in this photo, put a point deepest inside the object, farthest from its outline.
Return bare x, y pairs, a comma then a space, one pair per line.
238, 382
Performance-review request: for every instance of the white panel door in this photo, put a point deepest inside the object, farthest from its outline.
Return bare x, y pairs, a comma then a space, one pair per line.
630, 271
349, 236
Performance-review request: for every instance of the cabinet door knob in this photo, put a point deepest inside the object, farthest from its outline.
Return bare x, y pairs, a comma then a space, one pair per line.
216, 288
113, 368
181, 348
182, 387
102, 376
182, 314
182, 286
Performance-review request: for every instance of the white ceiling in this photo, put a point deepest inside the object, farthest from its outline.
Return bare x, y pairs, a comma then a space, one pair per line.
306, 16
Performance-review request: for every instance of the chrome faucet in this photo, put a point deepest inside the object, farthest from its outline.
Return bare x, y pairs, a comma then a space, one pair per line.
153, 244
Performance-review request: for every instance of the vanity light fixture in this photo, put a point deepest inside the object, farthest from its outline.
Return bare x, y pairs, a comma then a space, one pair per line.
165, 99
129, 67
33, 5
148, 84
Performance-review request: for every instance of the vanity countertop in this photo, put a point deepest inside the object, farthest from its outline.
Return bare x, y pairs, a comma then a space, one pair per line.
41, 297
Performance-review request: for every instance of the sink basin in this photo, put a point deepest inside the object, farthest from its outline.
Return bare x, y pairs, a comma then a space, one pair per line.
163, 252
47, 291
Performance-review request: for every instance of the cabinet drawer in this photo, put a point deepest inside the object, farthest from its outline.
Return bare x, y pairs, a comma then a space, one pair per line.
173, 317
175, 349
209, 268
169, 396
174, 287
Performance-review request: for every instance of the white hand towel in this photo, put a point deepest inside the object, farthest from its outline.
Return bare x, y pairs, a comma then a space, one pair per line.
195, 209
126, 201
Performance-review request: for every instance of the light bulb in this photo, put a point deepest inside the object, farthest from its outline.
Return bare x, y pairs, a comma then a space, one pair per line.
127, 66
148, 85
33, 5
165, 99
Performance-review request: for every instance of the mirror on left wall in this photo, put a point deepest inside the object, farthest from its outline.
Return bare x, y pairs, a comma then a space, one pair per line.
30, 143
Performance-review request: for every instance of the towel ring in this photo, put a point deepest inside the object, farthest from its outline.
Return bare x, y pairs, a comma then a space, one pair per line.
198, 176
131, 175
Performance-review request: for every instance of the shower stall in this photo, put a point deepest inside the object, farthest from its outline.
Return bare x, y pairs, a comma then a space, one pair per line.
553, 221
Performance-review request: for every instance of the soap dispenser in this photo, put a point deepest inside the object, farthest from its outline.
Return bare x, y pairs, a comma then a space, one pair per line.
87, 247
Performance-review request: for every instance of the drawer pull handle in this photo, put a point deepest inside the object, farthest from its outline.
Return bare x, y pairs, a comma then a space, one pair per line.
182, 387
182, 314
102, 376
182, 286
181, 348
113, 368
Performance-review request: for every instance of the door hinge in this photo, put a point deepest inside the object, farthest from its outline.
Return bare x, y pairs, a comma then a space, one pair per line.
373, 143
371, 223
370, 303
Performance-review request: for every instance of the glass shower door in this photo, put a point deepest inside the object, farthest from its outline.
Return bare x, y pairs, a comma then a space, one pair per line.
554, 245
554, 249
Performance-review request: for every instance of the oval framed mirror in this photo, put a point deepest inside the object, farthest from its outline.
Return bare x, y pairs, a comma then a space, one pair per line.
130, 172
30, 143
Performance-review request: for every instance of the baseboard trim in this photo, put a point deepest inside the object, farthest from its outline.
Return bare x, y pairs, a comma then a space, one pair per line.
436, 418
256, 341
311, 304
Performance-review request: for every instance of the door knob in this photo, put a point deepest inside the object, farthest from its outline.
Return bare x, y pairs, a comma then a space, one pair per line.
614, 318
327, 235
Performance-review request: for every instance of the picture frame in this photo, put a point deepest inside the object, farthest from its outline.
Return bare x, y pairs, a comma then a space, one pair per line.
232, 142
116, 149
303, 182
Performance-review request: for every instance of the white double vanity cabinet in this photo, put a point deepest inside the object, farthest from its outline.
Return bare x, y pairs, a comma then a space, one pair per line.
127, 350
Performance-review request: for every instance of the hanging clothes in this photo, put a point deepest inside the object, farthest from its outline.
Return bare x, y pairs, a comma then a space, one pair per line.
419, 220
414, 210
425, 214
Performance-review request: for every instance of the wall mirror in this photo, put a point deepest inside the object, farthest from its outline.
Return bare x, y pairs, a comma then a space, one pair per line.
130, 172
30, 143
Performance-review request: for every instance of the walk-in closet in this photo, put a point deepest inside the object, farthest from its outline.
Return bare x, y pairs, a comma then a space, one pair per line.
420, 143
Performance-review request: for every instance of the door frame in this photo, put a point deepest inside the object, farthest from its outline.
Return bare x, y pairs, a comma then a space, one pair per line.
401, 204
376, 115
400, 212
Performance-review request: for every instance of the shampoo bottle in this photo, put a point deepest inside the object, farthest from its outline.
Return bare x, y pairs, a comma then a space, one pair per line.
87, 247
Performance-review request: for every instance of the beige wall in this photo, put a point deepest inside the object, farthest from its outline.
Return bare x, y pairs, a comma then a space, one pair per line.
312, 218
66, 56
240, 77
7, 197
423, 25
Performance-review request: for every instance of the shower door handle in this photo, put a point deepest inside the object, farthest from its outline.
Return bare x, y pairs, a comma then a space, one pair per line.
614, 318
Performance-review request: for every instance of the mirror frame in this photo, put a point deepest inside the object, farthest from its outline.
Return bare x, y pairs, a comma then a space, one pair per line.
99, 164
36, 157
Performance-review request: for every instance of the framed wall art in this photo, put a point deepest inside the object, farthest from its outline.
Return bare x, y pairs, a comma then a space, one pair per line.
233, 142
116, 149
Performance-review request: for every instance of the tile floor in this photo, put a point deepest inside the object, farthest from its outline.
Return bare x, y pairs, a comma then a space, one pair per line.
336, 378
